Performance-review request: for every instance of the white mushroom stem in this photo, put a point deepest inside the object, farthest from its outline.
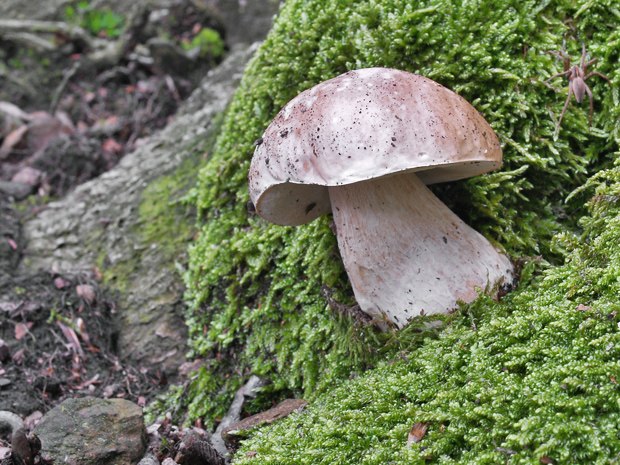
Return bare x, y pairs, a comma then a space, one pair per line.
406, 253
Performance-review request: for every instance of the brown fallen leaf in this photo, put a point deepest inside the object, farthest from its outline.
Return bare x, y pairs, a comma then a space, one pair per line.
418, 431
61, 283
12, 140
112, 146
28, 175
20, 330
79, 323
71, 337
17, 356
42, 128
87, 292
545, 459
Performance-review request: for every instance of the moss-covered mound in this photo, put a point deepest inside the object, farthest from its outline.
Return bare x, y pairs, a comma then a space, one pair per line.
255, 289
531, 380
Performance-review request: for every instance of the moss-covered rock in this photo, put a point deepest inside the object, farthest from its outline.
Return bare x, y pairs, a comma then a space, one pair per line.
255, 288
535, 376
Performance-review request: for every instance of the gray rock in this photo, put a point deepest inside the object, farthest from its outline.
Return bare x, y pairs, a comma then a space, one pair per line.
94, 431
17, 190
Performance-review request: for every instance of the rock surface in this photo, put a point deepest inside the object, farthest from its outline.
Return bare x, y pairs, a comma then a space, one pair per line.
109, 222
94, 431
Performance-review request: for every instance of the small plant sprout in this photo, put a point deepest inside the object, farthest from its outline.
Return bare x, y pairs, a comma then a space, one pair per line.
577, 76
363, 145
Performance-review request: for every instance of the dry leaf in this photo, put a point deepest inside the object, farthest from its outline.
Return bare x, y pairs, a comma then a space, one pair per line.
13, 110
79, 323
97, 274
70, 335
4, 452
28, 175
20, 331
613, 380
13, 139
61, 283
42, 128
87, 292
112, 146
418, 431
545, 459
17, 356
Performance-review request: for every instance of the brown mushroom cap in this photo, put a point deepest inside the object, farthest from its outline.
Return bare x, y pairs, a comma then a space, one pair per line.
361, 125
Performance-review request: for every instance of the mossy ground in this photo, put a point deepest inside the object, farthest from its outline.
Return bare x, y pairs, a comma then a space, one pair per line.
534, 376
255, 288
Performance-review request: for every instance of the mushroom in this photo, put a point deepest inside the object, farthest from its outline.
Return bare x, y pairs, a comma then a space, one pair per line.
363, 145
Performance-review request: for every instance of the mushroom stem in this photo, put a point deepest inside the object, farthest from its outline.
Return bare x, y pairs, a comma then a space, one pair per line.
408, 254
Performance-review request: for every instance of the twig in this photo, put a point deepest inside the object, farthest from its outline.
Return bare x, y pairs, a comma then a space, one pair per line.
8, 26
63, 84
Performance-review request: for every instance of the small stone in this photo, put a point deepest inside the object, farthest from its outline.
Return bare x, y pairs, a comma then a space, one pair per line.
17, 190
94, 431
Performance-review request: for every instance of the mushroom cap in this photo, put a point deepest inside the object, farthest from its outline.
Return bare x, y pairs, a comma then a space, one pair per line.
361, 125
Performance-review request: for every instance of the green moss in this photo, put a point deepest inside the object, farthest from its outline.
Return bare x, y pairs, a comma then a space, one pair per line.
255, 289
531, 377
163, 222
